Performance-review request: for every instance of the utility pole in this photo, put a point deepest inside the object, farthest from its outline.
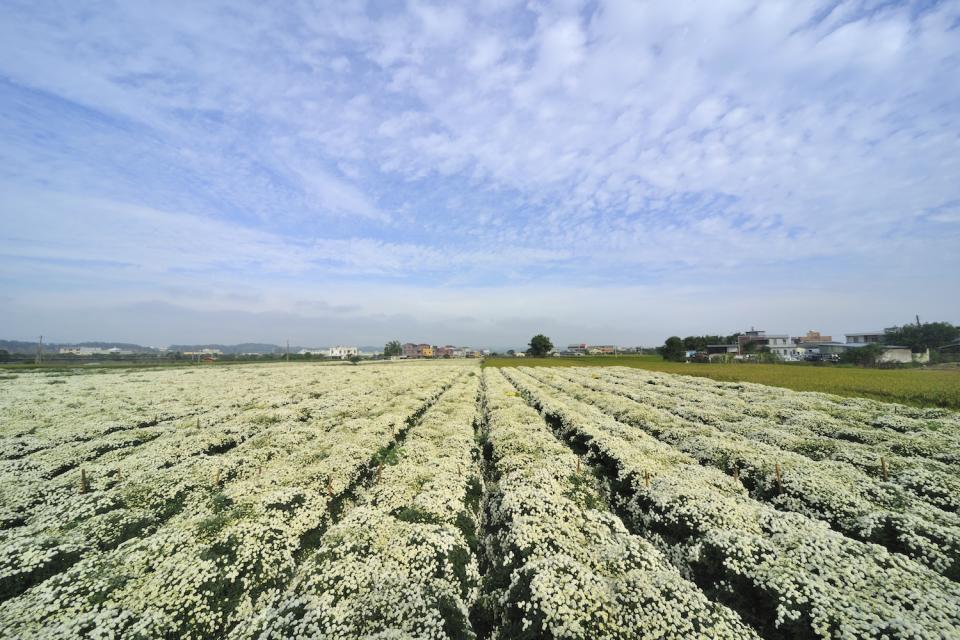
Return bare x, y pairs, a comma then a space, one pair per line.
39, 359
288, 350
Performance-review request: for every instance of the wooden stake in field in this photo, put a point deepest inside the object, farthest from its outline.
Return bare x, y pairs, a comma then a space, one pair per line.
84, 485
883, 469
329, 488
736, 474
379, 472
779, 480
216, 477
198, 422
646, 479
578, 464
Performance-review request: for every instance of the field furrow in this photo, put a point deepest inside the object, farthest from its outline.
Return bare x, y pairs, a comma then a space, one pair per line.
787, 574
227, 545
843, 496
896, 429
445, 500
559, 563
70, 525
401, 560
818, 436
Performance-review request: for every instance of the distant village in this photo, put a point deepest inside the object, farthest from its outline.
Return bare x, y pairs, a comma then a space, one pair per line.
909, 344
811, 347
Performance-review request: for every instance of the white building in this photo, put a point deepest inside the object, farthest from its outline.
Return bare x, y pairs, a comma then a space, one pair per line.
342, 352
779, 344
87, 351
865, 337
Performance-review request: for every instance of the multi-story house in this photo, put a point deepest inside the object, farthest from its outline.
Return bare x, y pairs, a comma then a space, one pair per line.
779, 344
865, 337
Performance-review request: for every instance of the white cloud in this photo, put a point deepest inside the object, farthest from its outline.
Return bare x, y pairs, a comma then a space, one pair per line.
598, 145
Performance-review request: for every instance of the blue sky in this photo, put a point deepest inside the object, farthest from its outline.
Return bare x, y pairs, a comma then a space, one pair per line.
476, 173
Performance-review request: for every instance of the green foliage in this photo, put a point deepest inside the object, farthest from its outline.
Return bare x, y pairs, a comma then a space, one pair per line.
672, 349
540, 345
865, 356
386, 455
583, 491
354, 359
699, 343
212, 525
392, 348
920, 337
414, 515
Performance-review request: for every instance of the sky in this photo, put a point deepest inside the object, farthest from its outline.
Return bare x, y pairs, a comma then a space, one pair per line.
350, 173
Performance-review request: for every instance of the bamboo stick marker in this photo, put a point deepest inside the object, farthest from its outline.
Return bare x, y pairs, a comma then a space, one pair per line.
379, 472
646, 479
779, 482
329, 488
84, 485
578, 465
883, 468
736, 474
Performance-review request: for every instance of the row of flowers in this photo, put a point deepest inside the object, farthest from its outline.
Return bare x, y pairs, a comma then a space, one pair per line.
787, 573
133, 489
87, 406
230, 524
402, 560
847, 499
815, 434
901, 429
562, 565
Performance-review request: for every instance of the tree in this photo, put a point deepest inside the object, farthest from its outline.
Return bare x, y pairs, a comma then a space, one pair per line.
865, 356
392, 348
920, 337
672, 349
354, 359
540, 346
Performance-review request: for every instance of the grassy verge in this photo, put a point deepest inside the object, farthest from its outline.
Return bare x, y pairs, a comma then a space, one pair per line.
916, 387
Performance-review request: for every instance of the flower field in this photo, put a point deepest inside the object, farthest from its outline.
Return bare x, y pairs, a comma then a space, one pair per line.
439, 500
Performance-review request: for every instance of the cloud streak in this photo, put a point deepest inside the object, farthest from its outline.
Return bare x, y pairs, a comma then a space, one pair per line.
489, 147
